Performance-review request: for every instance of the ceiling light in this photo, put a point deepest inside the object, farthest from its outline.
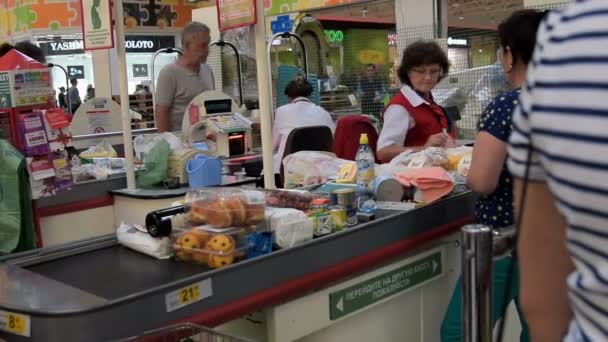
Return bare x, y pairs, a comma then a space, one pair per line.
461, 18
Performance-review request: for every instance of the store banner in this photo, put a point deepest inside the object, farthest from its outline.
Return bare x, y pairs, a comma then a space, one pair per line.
133, 44
235, 13
97, 28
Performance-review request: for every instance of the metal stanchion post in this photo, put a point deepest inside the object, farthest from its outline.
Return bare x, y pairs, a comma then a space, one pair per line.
477, 283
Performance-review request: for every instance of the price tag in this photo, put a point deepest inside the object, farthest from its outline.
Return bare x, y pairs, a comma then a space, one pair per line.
187, 295
404, 206
15, 323
464, 166
417, 163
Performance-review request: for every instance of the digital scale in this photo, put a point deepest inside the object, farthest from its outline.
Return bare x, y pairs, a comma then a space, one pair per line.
212, 117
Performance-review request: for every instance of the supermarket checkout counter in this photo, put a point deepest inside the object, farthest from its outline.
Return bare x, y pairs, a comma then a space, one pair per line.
71, 215
95, 289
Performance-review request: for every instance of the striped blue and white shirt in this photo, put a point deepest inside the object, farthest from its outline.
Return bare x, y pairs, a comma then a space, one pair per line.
564, 116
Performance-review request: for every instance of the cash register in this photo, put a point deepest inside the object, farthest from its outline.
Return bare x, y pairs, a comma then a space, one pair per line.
213, 117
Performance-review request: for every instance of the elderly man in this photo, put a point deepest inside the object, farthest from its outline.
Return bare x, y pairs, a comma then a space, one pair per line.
178, 83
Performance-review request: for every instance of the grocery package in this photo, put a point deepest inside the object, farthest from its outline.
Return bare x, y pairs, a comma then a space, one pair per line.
63, 170
296, 199
433, 183
101, 150
438, 156
310, 168
456, 155
57, 126
137, 238
291, 226
347, 173
32, 134
156, 166
49, 174
143, 144
226, 207
210, 246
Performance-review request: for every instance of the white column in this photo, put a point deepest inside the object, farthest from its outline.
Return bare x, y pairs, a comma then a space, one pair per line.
124, 94
264, 84
419, 20
102, 73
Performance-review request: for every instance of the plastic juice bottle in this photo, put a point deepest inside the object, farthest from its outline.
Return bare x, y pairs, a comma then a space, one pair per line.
365, 176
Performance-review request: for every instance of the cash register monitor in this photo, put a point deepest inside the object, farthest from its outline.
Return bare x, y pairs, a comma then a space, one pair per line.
222, 106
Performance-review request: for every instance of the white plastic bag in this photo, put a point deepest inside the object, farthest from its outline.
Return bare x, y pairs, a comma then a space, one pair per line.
101, 150
311, 167
142, 144
137, 238
291, 226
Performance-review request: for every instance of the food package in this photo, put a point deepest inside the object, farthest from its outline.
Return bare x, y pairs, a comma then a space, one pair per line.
103, 150
438, 156
143, 144
455, 155
347, 173
292, 227
226, 207
32, 134
138, 239
57, 126
205, 245
310, 168
296, 199
63, 170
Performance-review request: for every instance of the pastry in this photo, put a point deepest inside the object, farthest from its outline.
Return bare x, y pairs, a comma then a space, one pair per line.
218, 215
221, 243
198, 212
217, 261
189, 241
181, 255
255, 214
202, 235
200, 258
237, 209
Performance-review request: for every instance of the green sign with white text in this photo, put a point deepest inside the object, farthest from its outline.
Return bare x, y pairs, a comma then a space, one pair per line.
368, 292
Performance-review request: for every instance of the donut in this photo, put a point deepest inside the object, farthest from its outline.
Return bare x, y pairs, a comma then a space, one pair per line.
189, 242
217, 261
218, 215
221, 243
237, 209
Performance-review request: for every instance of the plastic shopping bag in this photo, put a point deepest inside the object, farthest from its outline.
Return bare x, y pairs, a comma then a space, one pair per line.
156, 165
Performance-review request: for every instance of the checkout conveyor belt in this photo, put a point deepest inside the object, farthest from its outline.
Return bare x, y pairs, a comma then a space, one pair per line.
98, 290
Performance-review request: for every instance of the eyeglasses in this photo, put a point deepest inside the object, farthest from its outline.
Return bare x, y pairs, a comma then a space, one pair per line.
423, 72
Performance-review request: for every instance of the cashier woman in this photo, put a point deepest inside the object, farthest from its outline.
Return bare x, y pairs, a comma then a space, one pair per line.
299, 112
178, 83
412, 119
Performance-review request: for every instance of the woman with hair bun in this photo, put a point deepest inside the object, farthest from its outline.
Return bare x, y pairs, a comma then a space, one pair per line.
299, 112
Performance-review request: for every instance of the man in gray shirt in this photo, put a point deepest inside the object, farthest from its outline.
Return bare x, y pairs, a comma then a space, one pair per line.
178, 83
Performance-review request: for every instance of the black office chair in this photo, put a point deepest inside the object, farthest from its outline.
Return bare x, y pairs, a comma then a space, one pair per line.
311, 138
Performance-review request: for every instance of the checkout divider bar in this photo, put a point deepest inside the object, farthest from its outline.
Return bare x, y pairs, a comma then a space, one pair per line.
480, 246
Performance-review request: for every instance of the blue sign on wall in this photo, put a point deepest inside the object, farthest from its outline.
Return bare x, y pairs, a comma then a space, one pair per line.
282, 24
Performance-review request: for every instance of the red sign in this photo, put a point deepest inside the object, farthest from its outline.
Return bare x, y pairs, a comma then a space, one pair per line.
235, 13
